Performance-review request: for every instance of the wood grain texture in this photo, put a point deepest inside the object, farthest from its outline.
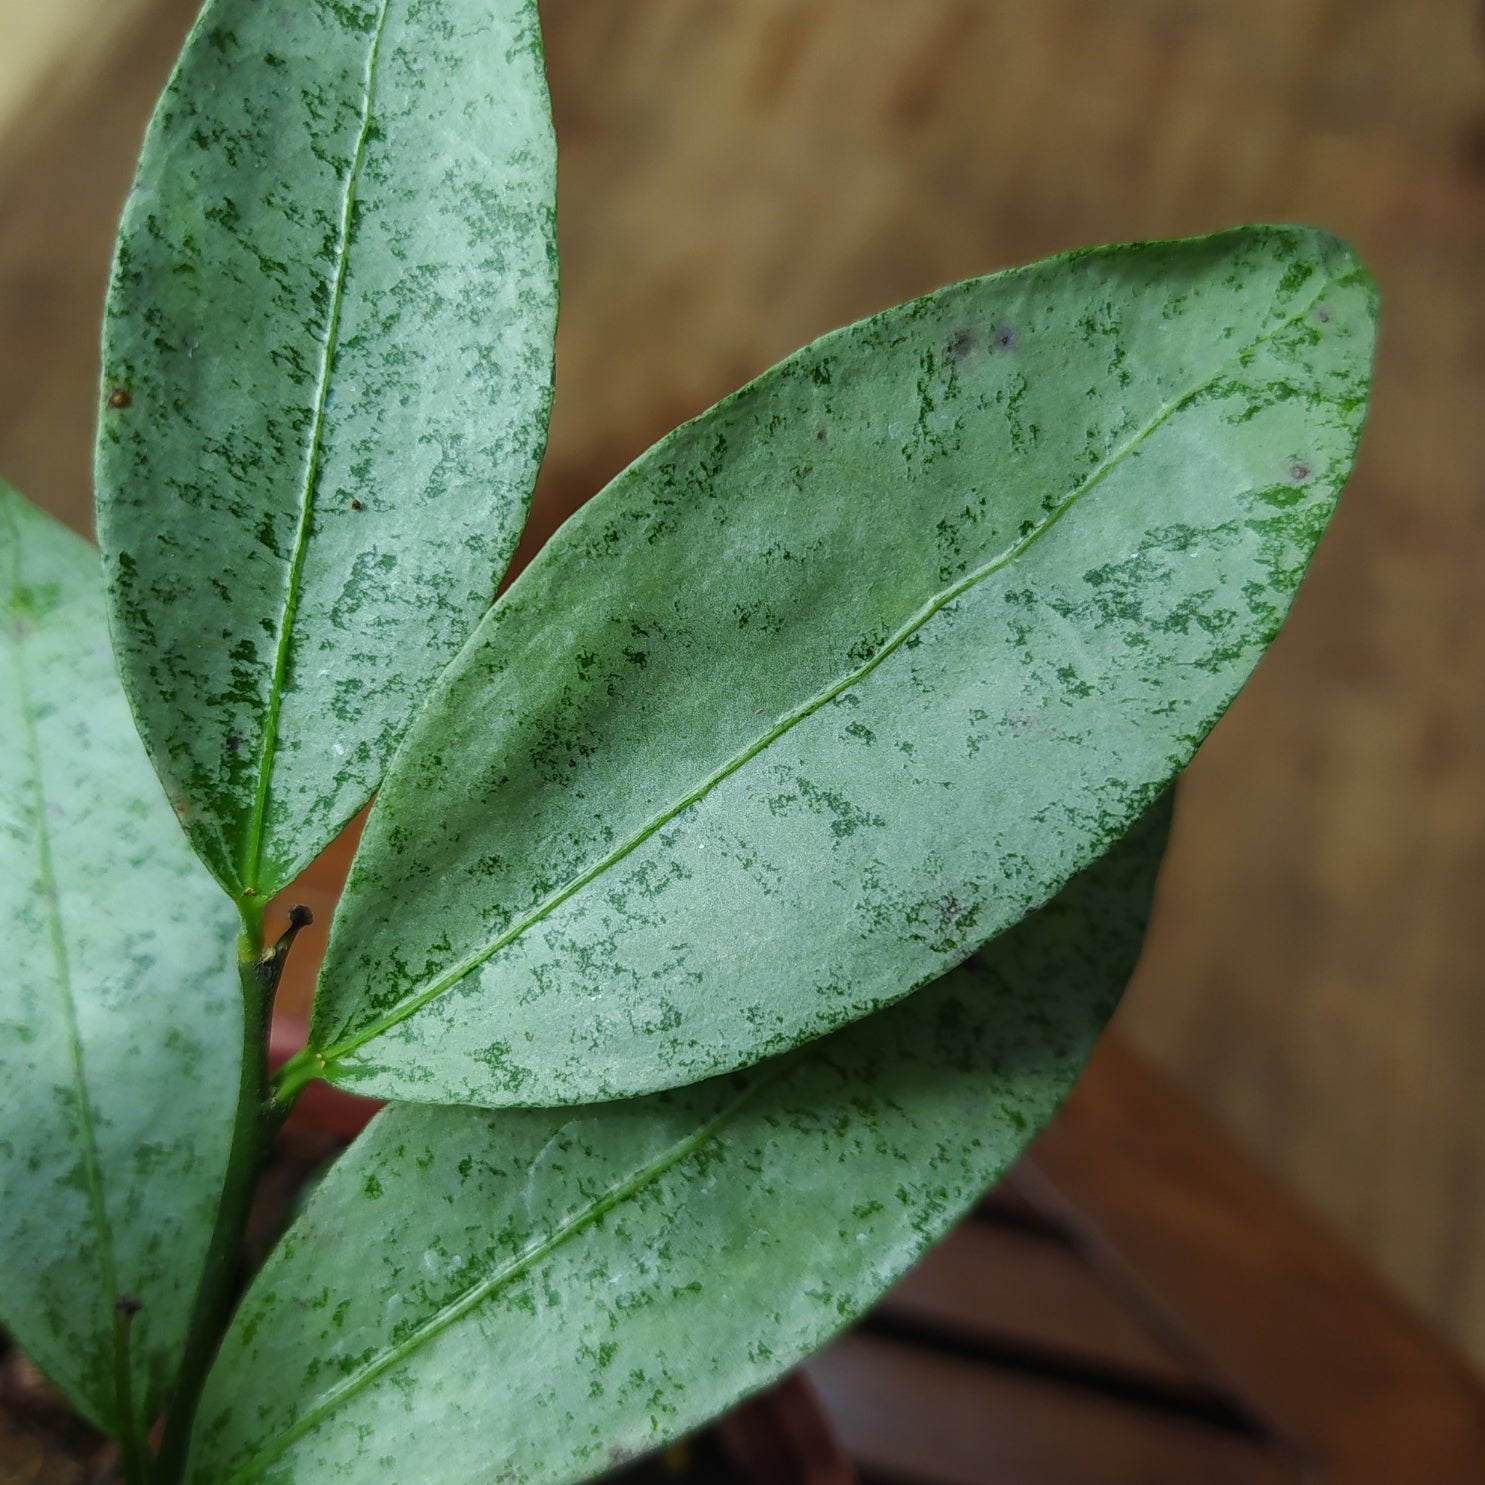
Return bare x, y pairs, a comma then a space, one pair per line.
1195, 1239
1034, 1292
923, 1418
49, 46
739, 176
1263, 1350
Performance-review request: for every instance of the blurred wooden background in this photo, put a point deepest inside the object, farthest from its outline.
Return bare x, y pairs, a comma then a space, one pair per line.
739, 175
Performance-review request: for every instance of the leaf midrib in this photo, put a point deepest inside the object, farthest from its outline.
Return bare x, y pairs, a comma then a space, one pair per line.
414, 1002
252, 864
476, 1294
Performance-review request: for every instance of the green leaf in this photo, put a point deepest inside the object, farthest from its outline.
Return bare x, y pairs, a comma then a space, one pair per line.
844, 677
327, 368
543, 1292
120, 1025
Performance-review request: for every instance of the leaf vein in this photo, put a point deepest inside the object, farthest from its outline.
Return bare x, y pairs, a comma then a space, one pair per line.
455, 1310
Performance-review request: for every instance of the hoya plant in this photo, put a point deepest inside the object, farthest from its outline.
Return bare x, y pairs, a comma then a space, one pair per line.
741, 890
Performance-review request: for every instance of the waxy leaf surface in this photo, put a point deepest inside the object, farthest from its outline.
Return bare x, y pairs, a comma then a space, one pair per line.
844, 677
532, 1295
120, 1024
327, 368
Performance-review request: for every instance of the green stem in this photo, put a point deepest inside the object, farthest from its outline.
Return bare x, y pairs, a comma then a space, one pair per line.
256, 1122
132, 1455
296, 1074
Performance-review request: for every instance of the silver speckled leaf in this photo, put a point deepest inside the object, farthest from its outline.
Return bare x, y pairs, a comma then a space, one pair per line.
120, 1023
327, 368
844, 677
540, 1293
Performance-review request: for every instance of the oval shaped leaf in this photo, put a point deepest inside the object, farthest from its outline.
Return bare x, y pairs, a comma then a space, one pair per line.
844, 677
545, 1293
120, 1024
327, 368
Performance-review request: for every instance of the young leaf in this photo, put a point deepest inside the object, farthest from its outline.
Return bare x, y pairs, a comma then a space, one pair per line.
327, 368
843, 678
546, 1292
120, 1027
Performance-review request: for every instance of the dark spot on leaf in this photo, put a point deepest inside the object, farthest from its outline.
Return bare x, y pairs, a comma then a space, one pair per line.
960, 343
950, 908
127, 1306
1004, 338
820, 435
1300, 471
356, 505
118, 397
1322, 314
234, 743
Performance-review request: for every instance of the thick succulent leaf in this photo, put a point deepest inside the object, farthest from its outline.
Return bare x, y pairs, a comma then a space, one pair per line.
544, 1292
841, 679
327, 368
120, 1024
